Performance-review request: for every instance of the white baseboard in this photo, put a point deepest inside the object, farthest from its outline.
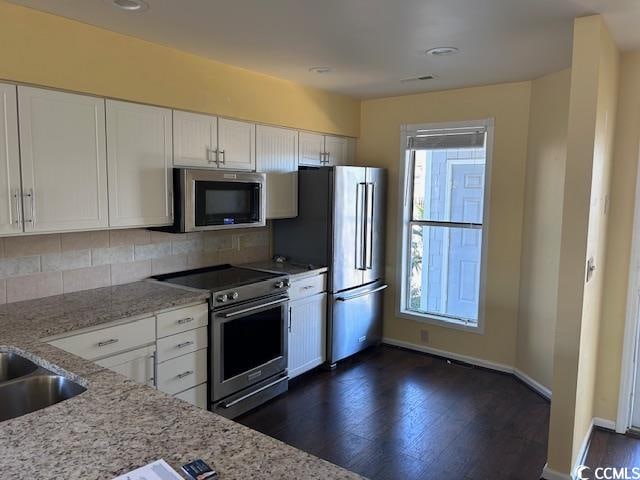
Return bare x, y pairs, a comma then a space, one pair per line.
533, 384
549, 474
604, 423
537, 386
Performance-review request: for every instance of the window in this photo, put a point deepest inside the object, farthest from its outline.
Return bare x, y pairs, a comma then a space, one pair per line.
443, 222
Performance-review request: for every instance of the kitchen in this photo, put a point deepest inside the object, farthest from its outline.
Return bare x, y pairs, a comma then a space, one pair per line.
212, 248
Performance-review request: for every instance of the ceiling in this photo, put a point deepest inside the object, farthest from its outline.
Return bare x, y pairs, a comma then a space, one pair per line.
371, 46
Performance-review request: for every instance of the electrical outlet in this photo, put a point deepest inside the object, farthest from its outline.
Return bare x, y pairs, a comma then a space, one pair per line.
424, 336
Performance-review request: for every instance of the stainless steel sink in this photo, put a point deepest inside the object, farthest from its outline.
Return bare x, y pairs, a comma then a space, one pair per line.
26, 387
36, 392
13, 366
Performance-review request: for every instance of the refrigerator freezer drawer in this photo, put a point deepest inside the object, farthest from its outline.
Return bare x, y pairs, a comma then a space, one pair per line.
356, 320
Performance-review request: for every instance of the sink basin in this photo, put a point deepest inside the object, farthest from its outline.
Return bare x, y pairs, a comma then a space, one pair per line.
13, 366
25, 395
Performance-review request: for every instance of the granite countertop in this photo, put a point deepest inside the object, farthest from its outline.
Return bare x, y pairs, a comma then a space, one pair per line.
293, 269
118, 425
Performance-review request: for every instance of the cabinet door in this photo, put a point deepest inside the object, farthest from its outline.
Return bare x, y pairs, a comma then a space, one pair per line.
137, 365
64, 170
336, 149
195, 139
277, 156
236, 145
311, 149
139, 144
10, 191
307, 324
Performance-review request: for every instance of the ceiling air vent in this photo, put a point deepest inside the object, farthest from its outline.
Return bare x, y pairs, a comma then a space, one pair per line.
421, 78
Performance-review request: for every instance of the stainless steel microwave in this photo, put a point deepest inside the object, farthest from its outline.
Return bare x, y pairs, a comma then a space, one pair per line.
214, 199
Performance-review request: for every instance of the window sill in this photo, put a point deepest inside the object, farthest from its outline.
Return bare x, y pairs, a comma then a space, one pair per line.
445, 322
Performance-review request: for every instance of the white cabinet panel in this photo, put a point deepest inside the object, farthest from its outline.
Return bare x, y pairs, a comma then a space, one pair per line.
311, 149
307, 326
277, 156
64, 172
139, 144
195, 396
182, 319
181, 373
136, 365
336, 149
181, 343
236, 145
195, 139
10, 190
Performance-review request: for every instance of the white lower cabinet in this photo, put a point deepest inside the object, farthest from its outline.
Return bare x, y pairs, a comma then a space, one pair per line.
307, 331
138, 365
196, 396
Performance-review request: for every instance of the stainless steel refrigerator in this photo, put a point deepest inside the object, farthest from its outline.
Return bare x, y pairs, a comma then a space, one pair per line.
341, 223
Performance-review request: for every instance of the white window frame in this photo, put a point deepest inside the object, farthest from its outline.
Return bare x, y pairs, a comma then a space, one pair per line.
404, 215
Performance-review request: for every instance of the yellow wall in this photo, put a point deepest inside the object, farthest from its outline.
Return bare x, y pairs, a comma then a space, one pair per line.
547, 150
623, 184
380, 146
592, 110
48, 50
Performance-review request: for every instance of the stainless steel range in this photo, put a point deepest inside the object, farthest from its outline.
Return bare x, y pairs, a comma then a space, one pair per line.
247, 334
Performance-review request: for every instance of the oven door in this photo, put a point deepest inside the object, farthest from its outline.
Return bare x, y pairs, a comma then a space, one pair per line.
249, 344
214, 200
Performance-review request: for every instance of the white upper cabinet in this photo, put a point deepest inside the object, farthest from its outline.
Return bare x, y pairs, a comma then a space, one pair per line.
311, 149
236, 145
139, 145
336, 150
10, 191
63, 157
195, 139
277, 156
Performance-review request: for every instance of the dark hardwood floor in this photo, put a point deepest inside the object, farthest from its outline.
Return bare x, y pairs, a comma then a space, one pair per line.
610, 449
389, 413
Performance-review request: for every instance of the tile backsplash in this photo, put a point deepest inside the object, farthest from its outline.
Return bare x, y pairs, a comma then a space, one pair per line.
43, 265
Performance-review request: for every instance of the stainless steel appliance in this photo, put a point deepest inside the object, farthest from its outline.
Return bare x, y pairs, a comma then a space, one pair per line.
341, 224
247, 334
213, 199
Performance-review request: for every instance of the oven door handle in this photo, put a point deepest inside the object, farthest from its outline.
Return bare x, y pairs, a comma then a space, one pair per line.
251, 394
256, 307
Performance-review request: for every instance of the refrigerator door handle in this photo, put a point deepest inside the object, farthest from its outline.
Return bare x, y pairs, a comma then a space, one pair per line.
370, 192
361, 237
362, 294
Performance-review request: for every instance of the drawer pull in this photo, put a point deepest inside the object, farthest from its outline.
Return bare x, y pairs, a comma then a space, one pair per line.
108, 342
184, 374
308, 287
184, 344
182, 321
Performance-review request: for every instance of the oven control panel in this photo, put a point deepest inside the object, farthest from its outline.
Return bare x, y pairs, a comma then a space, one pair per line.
251, 291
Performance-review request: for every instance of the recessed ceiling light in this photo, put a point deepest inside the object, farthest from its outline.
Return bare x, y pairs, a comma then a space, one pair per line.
441, 51
130, 5
320, 70
421, 78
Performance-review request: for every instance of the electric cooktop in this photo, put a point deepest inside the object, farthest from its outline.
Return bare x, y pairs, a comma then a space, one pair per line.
217, 278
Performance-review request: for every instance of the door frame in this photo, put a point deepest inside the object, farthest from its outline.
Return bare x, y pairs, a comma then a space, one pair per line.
630, 338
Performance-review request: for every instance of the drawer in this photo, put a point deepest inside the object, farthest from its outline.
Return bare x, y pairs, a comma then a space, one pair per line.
195, 396
181, 344
182, 373
308, 286
111, 340
135, 364
182, 319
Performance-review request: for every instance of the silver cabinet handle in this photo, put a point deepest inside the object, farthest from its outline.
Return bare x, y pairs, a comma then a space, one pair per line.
184, 344
223, 157
31, 208
308, 287
154, 369
108, 342
289, 319
16, 203
184, 374
358, 295
182, 321
210, 155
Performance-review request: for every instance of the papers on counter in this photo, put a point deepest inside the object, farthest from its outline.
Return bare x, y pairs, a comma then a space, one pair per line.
158, 470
